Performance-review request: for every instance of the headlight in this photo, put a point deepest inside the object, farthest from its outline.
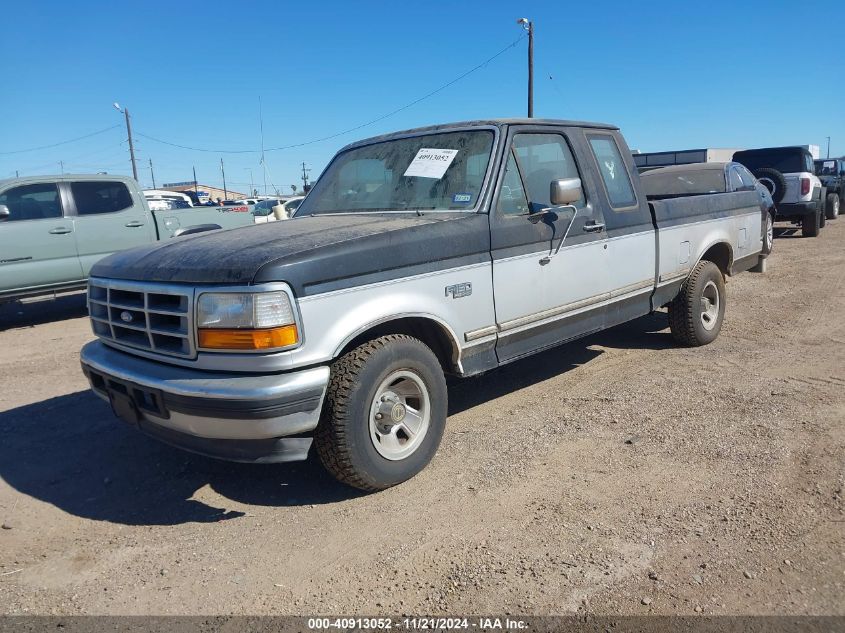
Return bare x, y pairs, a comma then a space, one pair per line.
246, 321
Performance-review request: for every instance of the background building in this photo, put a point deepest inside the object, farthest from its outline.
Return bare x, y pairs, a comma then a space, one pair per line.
211, 192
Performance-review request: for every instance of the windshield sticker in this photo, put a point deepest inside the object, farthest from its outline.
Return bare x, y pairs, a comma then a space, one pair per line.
462, 198
431, 163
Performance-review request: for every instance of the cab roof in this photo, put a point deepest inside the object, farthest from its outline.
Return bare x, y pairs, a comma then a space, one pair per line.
445, 127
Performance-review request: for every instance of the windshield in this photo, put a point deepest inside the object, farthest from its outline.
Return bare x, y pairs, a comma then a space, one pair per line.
434, 172
683, 183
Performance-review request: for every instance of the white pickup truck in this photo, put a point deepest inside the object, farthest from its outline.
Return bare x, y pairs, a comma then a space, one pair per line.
53, 229
448, 249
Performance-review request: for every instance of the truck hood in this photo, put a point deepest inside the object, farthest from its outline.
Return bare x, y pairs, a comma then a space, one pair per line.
313, 254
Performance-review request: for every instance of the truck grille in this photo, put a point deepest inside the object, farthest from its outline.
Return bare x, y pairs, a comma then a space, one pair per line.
152, 317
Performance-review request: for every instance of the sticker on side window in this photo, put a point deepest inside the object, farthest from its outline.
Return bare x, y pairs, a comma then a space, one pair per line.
462, 198
431, 163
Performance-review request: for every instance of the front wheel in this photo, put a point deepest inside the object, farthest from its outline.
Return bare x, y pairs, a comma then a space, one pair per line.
697, 312
384, 414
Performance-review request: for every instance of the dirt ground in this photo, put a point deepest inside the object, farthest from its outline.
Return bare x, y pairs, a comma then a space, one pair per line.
617, 475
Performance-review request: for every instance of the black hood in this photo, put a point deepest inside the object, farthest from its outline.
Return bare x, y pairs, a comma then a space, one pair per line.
313, 254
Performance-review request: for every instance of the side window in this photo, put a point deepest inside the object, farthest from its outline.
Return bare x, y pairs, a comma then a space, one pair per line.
736, 181
512, 200
96, 197
613, 171
543, 158
32, 202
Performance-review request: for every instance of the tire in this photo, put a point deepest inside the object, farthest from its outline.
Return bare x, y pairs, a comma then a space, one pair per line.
391, 377
769, 233
811, 224
694, 323
773, 180
832, 206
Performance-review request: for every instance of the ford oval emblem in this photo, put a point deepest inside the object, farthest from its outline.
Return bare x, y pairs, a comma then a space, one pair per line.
126, 316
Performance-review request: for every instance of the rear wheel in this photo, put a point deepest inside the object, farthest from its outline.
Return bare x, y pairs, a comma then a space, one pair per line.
769, 234
384, 414
832, 206
810, 224
697, 312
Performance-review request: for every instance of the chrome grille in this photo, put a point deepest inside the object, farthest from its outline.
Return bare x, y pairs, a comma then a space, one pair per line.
152, 317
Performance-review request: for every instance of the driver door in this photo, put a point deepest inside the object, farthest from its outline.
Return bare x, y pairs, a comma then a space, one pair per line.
543, 295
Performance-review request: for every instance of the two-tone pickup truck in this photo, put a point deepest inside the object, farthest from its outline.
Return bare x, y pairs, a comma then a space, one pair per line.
448, 249
53, 229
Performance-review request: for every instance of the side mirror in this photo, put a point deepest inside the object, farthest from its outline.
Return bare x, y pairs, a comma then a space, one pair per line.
565, 191
4, 212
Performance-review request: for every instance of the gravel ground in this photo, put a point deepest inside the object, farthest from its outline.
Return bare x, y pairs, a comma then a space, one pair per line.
617, 475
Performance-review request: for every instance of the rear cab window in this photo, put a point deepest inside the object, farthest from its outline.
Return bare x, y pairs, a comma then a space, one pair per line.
97, 197
613, 171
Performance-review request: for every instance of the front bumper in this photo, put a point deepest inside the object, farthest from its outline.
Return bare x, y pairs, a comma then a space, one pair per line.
239, 417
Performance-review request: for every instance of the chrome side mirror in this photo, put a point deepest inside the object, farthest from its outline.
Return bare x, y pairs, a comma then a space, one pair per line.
565, 191
4, 212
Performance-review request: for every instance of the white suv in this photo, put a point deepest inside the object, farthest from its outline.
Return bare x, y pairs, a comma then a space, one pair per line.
789, 174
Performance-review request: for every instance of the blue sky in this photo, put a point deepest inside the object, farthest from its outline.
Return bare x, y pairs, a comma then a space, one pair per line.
671, 75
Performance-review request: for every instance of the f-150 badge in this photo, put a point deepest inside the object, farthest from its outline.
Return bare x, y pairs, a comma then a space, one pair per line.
459, 290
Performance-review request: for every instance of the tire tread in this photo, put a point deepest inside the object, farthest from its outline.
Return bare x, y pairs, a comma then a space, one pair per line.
330, 439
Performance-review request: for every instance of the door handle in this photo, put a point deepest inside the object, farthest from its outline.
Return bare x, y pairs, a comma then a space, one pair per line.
134, 223
60, 230
593, 227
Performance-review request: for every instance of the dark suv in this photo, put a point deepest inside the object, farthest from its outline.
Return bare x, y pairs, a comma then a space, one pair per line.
831, 171
789, 174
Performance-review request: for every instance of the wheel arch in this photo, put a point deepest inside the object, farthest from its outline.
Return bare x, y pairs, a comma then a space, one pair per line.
432, 331
721, 254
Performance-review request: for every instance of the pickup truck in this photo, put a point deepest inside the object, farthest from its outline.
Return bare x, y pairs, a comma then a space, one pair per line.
831, 173
53, 229
451, 249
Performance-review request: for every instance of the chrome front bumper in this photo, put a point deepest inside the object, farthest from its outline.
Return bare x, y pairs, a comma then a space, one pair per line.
242, 417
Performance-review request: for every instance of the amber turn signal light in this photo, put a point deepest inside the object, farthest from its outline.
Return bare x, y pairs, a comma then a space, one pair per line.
270, 338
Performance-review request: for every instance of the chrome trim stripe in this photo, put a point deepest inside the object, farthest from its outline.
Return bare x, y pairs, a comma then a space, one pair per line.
480, 333
553, 312
398, 280
640, 285
646, 284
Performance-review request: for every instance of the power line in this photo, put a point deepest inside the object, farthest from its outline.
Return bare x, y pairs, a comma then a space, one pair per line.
73, 140
352, 129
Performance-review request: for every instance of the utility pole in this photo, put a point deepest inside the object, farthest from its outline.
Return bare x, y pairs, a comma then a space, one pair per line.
304, 177
152, 175
251, 184
131, 145
223, 171
125, 112
62, 166
261, 125
196, 193
528, 25
17, 175
828, 147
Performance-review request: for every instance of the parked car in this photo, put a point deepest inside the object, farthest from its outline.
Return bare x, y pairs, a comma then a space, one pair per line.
164, 194
696, 179
53, 229
448, 249
263, 211
789, 174
831, 173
